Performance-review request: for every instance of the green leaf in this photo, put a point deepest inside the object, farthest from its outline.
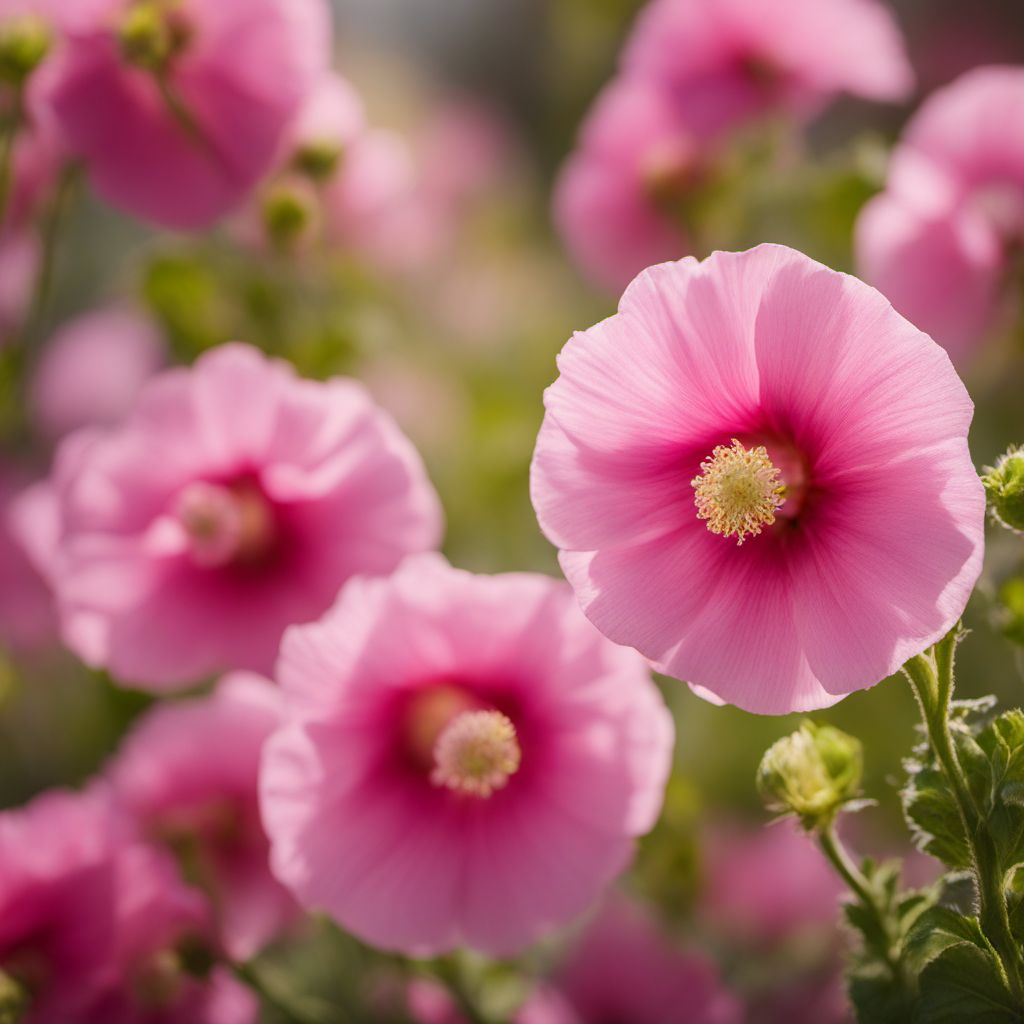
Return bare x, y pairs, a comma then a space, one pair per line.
936, 930
1002, 743
932, 813
877, 998
963, 984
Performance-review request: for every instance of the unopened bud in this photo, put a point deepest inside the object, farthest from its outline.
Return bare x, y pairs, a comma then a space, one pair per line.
811, 773
1004, 489
152, 33
289, 214
24, 43
318, 160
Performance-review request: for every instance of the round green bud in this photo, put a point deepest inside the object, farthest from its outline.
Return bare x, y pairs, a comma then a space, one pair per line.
151, 34
24, 43
289, 213
811, 773
1004, 490
318, 160
13, 1000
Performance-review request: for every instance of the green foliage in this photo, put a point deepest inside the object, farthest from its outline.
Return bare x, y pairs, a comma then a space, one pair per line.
965, 983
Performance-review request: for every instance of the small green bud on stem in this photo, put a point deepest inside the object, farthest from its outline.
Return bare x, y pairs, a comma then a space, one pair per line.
1004, 489
812, 773
318, 160
152, 34
289, 214
24, 43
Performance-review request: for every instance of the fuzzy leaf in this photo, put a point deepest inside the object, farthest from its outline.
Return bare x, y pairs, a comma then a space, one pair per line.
933, 816
963, 984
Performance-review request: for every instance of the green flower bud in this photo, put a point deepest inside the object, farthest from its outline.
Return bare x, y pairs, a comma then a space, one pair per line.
152, 33
318, 160
13, 1000
289, 214
24, 43
811, 773
1004, 489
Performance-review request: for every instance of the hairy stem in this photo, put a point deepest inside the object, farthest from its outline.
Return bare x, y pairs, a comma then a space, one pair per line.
832, 846
931, 678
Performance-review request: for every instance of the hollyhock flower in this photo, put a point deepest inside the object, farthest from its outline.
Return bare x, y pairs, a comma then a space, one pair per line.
91, 370
232, 502
942, 240
623, 969
469, 762
179, 108
58, 860
620, 201
728, 61
762, 885
187, 774
757, 473
27, 618
161, 926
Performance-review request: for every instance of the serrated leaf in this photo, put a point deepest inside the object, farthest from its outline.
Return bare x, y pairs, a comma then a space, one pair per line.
963, 984
1002, 743
936, 930
934, 818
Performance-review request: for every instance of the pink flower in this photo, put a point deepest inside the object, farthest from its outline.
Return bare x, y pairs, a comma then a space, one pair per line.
624, 969
160, 923
758, 475
469, 763
329, 121
728, 61
231, 503
939, 241
180, 109
187, 775
57, 883
762, 885
90, 372
27, 618
621, 199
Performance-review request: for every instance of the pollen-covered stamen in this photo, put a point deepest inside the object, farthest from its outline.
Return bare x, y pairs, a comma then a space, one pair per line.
476, 753
225, 524
738, 491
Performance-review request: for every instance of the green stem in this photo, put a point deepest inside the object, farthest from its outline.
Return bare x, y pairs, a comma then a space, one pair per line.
273, 997
51, 228
932, 679
831, 845
8, 138
449, 973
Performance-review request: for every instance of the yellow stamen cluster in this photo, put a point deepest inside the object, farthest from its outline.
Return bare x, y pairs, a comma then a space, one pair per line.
738, 491
476, 753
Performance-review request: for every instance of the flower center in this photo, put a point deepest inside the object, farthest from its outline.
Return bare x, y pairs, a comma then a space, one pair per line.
738, 491
476, 753
225, 525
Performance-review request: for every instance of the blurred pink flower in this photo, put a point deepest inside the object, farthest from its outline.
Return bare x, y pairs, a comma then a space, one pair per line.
91, 370
27, 616
726, 463
187, 775
762, 885
234, 501
58, 859
624, 969
727, 61
620, 200
179, 110
330, 119
469, 762
160, 922
939, 241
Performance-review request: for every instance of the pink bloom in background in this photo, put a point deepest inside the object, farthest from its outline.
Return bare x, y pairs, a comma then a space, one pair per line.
187, 775
57, 882
728, 61
159, 920
759, 447
91, 370
233, 501
764, 885
939, 241
623, 969
497, 754
620, 200
184, 153
27, 617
